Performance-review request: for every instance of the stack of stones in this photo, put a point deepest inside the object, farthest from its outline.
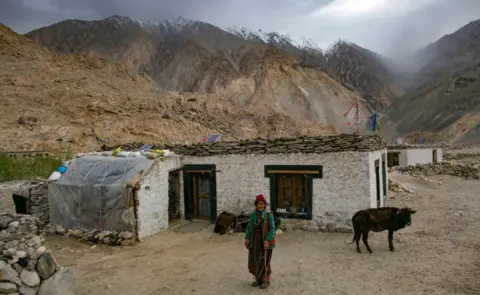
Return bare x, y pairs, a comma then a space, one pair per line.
460, 156
36, 194
26, 266
304, 144
112, 238
464, 171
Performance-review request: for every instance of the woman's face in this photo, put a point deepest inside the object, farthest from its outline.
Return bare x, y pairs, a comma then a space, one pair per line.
260, 205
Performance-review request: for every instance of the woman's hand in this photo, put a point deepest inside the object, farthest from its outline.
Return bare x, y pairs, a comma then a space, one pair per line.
266, 245
246, 243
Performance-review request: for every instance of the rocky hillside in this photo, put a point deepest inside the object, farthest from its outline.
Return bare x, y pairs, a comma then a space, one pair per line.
51, 99
363, 70
444, 99
197, 57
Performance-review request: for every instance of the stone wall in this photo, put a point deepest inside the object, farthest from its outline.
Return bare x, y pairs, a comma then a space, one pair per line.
304, 144
343, 189
26, 266
460, 156
112, 238
464, 171
36, 194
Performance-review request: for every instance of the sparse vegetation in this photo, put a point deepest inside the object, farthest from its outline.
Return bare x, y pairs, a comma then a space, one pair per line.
27, 167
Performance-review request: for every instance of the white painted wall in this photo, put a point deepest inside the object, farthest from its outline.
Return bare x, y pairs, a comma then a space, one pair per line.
345, 187
153, 197
413, 156
373, 156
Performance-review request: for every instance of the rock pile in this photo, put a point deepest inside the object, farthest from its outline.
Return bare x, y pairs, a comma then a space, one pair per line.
460, 156
304, 144
398, 187
112, 238
26, 266
464, 171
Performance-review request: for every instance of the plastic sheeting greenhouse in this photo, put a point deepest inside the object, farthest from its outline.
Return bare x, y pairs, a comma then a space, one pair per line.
95, 193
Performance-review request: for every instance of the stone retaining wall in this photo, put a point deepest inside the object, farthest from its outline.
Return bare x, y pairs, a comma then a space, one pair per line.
26, 266
464, 171
305, 144
460, 156
111, 238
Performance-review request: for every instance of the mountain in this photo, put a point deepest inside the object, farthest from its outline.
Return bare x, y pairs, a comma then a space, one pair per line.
443, 100
356, 68
51, 100
365, 71
197, 57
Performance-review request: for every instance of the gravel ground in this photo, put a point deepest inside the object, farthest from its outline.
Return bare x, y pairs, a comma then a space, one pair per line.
438, 254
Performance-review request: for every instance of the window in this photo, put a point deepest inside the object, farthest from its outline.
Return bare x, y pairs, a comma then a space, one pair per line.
291, 189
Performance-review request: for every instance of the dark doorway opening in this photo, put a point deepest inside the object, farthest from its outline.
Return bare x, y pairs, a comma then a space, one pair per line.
434, 156
384, 176
393, 159
20, 204
173, 195
377, 181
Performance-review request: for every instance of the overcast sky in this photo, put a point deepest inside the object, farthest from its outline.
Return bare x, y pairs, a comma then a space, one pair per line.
389, 27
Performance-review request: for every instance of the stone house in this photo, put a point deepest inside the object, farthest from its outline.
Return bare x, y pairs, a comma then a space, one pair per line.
116, 194
314, 183
408, 155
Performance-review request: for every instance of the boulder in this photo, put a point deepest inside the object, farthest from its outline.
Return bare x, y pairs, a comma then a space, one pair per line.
61, 283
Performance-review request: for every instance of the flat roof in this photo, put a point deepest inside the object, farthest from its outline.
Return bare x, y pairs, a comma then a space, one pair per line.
412, 146
303, 144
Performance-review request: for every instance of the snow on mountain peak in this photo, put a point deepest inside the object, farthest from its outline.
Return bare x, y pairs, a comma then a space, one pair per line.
274, 38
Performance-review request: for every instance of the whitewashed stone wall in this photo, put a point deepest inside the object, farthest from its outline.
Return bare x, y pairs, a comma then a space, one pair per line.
153, 197
413, 156
344, 189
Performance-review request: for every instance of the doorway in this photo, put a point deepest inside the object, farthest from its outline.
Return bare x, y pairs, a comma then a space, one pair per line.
173, 195
200, 192
434, 156
377, 182
384, 176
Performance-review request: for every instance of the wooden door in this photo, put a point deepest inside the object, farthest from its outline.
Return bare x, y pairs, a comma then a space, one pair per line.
200, 192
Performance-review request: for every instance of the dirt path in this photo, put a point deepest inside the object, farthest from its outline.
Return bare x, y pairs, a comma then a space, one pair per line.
438, 254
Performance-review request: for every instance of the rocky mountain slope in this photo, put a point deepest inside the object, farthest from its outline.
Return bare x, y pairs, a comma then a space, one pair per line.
51, 99
444, 96
198, 57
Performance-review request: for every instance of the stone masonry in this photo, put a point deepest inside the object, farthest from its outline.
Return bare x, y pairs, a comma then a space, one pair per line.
26, 266
464, 171
304, 145
112, 238
36, 194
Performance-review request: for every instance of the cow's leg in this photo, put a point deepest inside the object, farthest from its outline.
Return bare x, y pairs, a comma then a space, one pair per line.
365, 240
390, 240
357, 236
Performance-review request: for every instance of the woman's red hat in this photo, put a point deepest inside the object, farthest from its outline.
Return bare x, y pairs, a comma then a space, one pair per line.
260, 198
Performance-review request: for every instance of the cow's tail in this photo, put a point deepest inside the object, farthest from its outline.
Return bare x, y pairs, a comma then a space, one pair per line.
354, 229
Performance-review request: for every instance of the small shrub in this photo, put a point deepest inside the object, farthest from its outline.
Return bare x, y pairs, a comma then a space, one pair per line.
27, 167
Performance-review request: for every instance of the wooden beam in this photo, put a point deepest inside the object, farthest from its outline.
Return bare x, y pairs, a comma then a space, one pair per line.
293, 172
198, 171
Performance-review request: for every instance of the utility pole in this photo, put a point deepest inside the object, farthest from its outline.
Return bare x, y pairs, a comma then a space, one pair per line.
357, 119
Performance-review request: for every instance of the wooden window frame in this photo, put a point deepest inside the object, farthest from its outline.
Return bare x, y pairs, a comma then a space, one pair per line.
310, 171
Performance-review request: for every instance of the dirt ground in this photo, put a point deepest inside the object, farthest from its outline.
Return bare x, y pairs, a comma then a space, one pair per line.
438, 254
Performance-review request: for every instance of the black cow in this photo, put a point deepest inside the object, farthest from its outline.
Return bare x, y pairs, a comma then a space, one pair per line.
377, 220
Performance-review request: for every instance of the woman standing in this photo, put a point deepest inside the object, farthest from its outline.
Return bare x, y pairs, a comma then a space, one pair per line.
260, 241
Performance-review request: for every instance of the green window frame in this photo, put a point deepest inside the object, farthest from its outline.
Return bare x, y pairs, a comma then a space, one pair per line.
291, 189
